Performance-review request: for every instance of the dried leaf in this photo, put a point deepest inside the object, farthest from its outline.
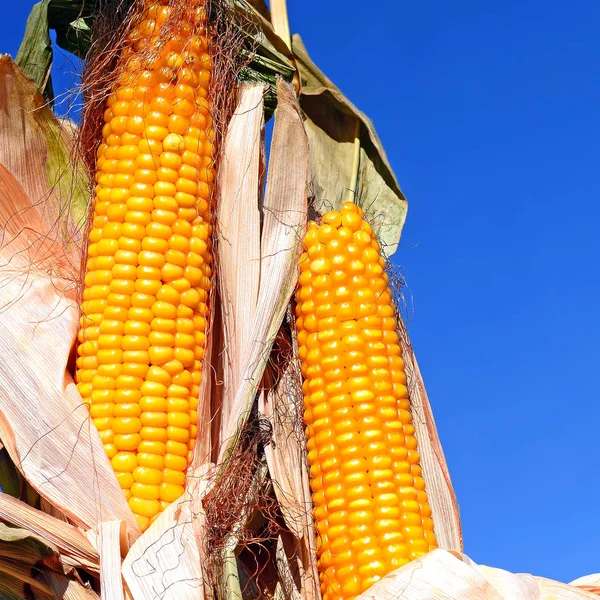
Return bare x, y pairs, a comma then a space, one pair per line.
331, 126
22, 554
438, 575
555, 590
238, 220
73, 546
288, 571
288, 469
13, 589
166, 560
35, 53
444, 506
521, 586
23, 573
67, 589
59, 451
113, 545
38, 151
10, 480
587, 580
285, 454
452, 576
284, 219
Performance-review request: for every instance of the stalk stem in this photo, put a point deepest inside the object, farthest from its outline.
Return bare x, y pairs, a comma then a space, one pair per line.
279, 18
350, 195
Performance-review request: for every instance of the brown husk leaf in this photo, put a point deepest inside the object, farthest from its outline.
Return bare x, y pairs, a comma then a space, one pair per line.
74, 548
447, 575
166, 562
331, 121
59, 451
442, 499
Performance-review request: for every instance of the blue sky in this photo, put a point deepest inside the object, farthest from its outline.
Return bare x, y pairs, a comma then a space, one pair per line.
489, 115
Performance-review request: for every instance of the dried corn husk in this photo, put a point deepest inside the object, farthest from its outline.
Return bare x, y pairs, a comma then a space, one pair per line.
238, 219
58, 451
443, 575
166, 561
268, 281
74, 548
443, 502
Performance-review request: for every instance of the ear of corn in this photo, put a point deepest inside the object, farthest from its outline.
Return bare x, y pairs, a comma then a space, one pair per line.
148, 269
370, 506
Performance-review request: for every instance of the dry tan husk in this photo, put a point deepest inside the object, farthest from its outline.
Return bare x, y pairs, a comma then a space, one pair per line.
266, 283
113, 545
443, 575
67, 589
73, 546
589, 583
279, 402
288, 468
444, 505
166, 560
58, 450
238, 229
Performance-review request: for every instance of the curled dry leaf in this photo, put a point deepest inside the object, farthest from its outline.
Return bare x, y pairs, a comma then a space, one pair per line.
58, 451
451, 576
587, 580
285, 456
238, 229
166, 561
280, 402
555, 590
74, 548
284, 218
38, 150
288, 469
29, 563
67, 589
112, 547
331, 124
440, 492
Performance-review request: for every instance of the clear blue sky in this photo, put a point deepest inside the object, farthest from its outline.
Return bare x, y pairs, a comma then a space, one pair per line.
489, 112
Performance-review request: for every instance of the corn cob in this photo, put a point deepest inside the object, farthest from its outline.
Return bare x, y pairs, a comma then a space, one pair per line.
370, 506
148, 269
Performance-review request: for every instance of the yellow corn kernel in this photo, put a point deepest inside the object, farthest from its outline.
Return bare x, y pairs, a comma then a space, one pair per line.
371, 509
148, 271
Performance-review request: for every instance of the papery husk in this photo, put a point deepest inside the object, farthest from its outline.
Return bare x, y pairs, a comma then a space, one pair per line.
288, 467
284, 220
589, 583
58, 450
238, 231
113, 545
255, 291
67, 589
443, 575
39, 151
166, 562
74, 548
442, 499
31, 564
333, 125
